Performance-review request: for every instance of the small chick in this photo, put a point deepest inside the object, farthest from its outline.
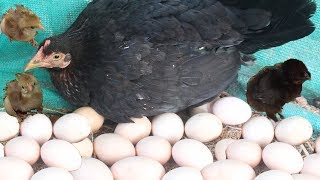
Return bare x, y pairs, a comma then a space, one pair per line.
21, 25
23, 95
274, 86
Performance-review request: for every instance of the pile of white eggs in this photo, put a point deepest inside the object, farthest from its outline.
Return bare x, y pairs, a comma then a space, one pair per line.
140, 150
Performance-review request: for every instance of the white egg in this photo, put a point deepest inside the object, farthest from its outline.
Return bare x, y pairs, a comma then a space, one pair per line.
183, 173
134, 131
191, 153
137, 168
317, 145
85, 147
282, 156
60, 153
9, 126
245, 151
221, 147
203, 127
259, 130
205, 108
95, 119
37, 127
24, 148
92, 169
305, 177
154, 147
168, 125
232, 110
1, 150
294, 130
52, 173
111, 147
311, 165
12, 168
228, 170
274, 175
72, 128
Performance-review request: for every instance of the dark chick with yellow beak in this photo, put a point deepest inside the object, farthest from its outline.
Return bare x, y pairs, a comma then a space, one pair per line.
143, 58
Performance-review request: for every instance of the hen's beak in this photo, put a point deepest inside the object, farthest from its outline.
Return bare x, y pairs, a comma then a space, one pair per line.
36, 61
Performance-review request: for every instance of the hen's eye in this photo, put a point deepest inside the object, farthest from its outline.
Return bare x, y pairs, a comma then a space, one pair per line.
56, 57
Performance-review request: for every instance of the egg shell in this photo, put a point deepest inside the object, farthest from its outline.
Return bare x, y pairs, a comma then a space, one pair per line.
282, 156
1, 150
95, 119
311, 165
191, 153
293, 130
85, 147
259, 130
205, 108
72, 128
221, 147
12, 168
203, 127
317, 145
228, 170
92, 168
9, 126
137, 168
232, 110
52, 173
37, 127
169, 126
245, 151
134, 131
154, 147
24, 148
305, 177
61, 154
274, 175
183, 173
111, 147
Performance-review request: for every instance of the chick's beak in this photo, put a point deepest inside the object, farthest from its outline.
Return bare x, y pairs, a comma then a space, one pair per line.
36, 61
41, 27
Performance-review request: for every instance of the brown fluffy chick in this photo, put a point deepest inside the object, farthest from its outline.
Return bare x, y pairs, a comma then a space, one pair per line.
21, 25
23, 95
274, 86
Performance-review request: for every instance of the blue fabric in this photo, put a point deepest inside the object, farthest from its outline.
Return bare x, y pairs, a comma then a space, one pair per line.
57, 16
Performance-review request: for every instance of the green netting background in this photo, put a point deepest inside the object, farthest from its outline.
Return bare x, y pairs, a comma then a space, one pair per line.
57, 16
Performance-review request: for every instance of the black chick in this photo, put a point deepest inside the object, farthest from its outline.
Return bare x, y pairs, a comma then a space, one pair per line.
23, 95
274, 86
132, 58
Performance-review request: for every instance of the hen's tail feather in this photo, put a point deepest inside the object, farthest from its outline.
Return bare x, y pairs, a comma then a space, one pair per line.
289, 20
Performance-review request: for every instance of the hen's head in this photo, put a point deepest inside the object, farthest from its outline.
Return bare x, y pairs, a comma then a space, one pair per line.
50, 55
296, 71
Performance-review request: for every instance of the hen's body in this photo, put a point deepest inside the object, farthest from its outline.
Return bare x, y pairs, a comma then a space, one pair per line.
145, 57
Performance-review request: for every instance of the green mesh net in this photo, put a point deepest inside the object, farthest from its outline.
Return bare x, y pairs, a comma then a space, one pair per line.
57, 16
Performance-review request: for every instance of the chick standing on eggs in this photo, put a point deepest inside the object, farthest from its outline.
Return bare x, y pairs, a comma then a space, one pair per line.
23, 95
21, 25
274, 86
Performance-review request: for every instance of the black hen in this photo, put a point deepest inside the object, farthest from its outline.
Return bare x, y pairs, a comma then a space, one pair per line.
274, 86
127, 58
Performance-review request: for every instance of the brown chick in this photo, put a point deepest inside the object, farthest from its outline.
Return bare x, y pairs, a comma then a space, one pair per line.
21, 25
23, 95
274, 86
